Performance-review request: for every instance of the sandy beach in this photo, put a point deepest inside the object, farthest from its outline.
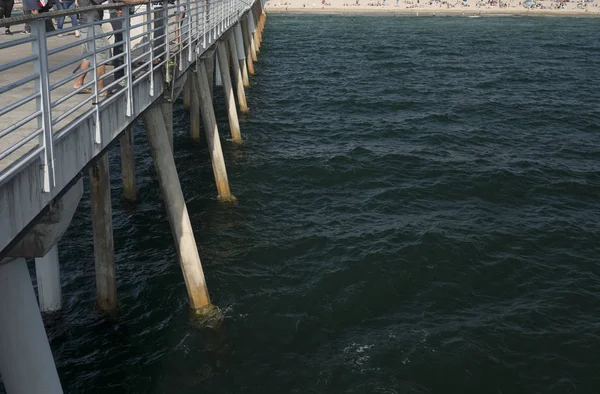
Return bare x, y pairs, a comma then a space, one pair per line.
437, 7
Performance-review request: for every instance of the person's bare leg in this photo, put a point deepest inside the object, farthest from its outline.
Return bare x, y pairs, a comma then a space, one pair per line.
101, 70
81, 79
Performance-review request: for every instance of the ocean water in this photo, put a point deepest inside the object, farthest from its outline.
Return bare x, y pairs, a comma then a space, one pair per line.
418, 212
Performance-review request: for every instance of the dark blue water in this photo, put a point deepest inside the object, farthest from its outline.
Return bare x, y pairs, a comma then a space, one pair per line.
418, 212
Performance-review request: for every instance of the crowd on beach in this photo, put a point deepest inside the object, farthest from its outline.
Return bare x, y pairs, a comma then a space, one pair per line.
375, 5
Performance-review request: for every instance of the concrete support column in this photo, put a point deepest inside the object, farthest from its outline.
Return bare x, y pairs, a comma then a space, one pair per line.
209, 64
234, 124
241, 53
167, 111
187, 87
212, 133
258, 28
26, 362
47, 273
128, 165
218, 78
194, 108
252, 36
176, 209
237, 73
250, 54
106, 285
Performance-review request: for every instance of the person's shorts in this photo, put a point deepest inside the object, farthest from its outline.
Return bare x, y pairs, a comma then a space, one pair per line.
101, 42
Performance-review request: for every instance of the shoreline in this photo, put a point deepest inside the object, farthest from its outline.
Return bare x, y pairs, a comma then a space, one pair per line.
427, 11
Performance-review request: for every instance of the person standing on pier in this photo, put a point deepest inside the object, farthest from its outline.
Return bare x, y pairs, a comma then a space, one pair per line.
102, 44
66, 5
117, 25
6, 7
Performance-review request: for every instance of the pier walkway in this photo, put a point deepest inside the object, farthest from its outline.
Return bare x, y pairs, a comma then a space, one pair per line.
52, 130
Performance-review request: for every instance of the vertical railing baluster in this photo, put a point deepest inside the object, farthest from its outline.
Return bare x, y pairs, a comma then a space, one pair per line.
189, 37
43, 103
92, 33
149, 24
128, 58
204, 18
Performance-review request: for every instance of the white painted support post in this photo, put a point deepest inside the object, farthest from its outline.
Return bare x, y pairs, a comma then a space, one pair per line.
234, 123
212, 132
106, 284
237, 73
194, 108
176, 209
241, 53
247, 37
128, 165
47, 273
167, 111
26, 362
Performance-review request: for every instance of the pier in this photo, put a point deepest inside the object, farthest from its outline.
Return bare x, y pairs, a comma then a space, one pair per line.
53, 132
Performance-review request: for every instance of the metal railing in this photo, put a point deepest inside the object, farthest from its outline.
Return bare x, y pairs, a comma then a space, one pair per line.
39, 103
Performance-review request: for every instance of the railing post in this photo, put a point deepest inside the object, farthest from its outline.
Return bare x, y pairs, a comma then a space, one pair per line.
149, 23
43, 103
190, 16
204, 18
127, 51
92, 33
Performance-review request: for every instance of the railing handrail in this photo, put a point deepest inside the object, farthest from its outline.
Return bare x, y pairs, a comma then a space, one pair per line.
164, 38
18, 20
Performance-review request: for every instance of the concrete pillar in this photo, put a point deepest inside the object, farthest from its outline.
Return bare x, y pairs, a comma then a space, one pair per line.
237, 73
128, 165
194, 108
176, 209
258, 32
252, 37
218, 79
209, 64
106, 285
212, 133
234, 124
241, 53
187, 87
47, 273
247, 37
167, 111
26, 362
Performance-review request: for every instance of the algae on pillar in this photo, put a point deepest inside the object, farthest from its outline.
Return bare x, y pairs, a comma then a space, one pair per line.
177, 213
104, 254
